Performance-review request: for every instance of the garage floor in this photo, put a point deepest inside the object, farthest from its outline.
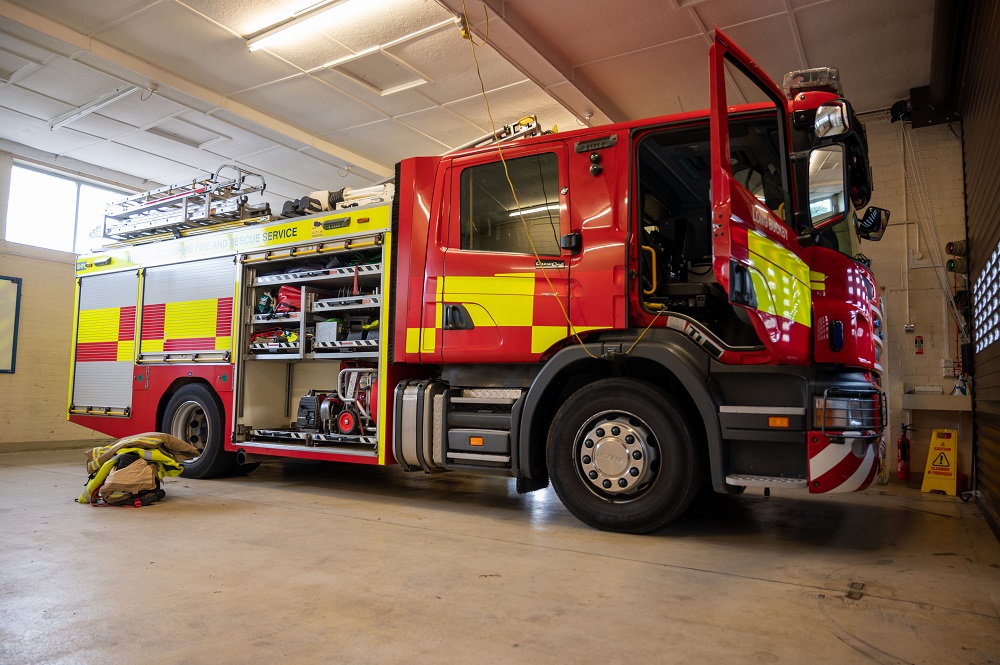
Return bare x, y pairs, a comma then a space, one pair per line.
322, 563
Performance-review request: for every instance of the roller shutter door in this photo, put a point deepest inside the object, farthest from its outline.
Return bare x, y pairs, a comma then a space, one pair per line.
105, 342
187, 308
978, 103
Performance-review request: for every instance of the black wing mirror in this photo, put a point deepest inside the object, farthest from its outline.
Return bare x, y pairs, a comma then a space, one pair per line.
872, 224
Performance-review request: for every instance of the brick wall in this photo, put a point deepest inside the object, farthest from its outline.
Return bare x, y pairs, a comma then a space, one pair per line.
34, 397
907, 262
34, 402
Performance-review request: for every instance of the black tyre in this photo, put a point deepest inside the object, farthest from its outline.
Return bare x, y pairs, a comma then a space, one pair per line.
621, 457
193, 416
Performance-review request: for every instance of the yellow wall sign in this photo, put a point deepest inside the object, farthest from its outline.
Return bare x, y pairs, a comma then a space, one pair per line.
942, 462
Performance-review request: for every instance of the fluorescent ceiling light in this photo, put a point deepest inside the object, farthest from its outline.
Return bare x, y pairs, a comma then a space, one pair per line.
90, 107
533, 210
258, 39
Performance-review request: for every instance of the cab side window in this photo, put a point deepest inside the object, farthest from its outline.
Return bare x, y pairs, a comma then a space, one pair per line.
493, 220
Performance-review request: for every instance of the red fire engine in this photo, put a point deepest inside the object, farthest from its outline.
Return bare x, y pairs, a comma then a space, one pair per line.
630, 311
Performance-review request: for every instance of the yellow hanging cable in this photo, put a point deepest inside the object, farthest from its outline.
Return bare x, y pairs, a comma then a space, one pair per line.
644, 331
467, 34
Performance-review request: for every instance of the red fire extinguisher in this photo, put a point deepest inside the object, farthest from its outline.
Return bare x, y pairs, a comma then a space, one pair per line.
903, 454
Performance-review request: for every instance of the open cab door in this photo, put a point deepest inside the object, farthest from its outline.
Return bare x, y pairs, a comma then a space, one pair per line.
756, 254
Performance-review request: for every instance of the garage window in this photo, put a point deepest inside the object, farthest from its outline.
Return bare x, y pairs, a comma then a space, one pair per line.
55, 211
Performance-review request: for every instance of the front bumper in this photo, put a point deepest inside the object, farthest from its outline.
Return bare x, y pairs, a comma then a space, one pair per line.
841, 463
821, 428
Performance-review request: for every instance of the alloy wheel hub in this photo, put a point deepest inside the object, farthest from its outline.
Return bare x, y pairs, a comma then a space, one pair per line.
616, 454
190, 424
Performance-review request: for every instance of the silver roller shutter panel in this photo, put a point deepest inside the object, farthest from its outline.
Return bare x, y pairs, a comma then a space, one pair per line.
103, 383
197, 280
208, 280
978, 103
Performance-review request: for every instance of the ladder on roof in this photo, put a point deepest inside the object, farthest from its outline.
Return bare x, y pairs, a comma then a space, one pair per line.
524, 128
171, 211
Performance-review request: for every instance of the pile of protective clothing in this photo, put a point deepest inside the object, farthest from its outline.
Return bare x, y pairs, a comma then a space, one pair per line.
129, 471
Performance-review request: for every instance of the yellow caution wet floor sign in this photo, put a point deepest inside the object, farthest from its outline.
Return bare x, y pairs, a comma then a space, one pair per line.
942, 462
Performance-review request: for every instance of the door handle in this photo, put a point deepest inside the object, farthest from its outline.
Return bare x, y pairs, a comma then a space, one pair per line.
456, 317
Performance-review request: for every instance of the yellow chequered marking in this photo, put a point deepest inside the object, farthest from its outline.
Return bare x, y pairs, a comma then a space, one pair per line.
223, 343
193, 318
480, 315
502, 300
496, 284
151, 346
126, 351
438, 306
428, 339
506, 300
99, 325
421, 340
543, 337
781, 280
413, 340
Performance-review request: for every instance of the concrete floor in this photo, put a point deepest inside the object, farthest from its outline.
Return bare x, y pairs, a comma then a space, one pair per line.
323, 563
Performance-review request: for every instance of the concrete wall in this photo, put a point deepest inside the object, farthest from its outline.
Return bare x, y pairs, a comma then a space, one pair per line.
928, 210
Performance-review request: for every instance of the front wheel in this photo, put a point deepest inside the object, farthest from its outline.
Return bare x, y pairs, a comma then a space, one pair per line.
192, 415
621, 457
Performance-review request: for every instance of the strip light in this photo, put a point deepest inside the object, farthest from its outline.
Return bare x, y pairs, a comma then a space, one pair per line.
257, 40
90, 107
531, 211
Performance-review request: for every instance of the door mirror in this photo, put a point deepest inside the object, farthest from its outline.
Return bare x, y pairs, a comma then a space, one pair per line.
832, 119
872, 224
827, 186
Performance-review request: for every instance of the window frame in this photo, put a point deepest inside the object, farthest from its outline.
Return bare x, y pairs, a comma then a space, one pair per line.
492, 158
77, 179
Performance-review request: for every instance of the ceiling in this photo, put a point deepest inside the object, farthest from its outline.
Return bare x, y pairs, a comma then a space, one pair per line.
372, 81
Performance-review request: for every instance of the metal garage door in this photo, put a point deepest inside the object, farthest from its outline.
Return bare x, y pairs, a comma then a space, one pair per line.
980, 99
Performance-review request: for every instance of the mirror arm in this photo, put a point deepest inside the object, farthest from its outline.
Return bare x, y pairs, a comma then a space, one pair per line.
799, 155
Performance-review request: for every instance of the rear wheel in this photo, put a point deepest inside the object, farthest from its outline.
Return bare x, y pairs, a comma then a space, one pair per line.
193, 416
621, 457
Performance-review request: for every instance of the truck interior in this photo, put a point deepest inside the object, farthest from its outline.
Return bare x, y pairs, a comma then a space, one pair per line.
674, 174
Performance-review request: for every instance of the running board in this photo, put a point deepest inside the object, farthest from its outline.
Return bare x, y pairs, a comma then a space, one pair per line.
766, 481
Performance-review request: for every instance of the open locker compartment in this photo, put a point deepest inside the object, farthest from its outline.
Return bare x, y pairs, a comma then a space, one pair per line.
310, 350
310, 404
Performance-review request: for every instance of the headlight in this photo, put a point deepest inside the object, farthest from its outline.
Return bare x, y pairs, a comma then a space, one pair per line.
847, 413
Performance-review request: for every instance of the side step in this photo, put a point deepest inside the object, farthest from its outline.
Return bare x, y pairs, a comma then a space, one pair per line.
766, 481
